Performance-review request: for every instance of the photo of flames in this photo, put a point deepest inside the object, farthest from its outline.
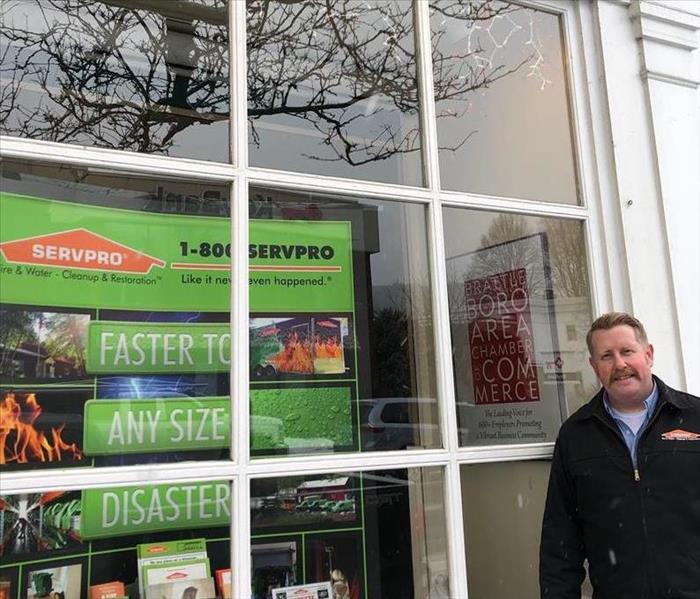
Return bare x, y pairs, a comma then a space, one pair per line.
301, 345
30, 435
295, 355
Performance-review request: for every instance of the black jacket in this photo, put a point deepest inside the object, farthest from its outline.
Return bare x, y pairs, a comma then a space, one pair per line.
640, 531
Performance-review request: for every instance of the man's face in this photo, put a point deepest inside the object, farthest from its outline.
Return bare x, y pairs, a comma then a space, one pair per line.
623, 365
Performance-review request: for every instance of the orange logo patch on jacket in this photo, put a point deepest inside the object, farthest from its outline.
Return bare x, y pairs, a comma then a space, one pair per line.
680, 435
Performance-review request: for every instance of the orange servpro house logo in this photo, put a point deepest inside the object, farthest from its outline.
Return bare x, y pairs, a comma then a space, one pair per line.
78, 248
680, 435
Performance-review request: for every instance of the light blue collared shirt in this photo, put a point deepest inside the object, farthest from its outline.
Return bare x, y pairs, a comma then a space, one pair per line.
632, 438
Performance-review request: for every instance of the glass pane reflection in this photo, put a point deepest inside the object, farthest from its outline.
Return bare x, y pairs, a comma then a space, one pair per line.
113, 333
519, 310
501, 101
332, 89
147, 541
354, 536
341, 344
141, 76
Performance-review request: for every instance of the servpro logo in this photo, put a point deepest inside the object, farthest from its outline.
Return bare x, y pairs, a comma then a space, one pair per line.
78, 248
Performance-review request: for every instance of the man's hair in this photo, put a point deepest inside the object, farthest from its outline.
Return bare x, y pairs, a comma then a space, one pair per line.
616, 319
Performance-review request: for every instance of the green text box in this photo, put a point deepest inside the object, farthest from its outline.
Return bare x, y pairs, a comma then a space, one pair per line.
130, 510
149, 347
295, 265
155, 425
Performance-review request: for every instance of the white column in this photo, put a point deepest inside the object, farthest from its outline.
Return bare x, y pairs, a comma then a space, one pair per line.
650, 65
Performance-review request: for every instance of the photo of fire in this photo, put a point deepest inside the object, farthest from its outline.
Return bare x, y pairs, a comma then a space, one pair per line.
37, 522
37, 345
300, 345
41, 427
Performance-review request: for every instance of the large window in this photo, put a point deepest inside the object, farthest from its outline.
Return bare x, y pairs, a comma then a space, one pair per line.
278, 277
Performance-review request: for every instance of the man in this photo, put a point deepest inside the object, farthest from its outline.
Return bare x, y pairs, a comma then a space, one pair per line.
624, 490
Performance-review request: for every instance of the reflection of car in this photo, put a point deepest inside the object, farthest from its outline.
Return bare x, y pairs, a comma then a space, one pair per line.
324, 506
309, 503
398, 422
344, 505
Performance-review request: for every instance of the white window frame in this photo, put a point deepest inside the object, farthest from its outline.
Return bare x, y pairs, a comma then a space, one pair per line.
596, 177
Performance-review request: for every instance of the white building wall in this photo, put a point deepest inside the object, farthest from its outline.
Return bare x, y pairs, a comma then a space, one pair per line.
650, 67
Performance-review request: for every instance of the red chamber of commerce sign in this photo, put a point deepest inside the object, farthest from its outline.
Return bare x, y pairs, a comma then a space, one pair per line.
501, 342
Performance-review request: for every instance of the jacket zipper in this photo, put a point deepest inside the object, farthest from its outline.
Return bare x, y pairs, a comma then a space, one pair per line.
637, 479
618, 434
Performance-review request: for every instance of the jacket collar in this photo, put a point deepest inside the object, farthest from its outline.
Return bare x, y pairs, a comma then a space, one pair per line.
595, 407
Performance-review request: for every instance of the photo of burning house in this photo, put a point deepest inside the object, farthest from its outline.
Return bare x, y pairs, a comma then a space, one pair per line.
33, 523
299, 345
41, 427
38, 345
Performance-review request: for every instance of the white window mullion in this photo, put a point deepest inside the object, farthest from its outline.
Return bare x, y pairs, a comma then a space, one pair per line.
239, 383
64, 479
240, 537
238, 89
115, 162
441, 315
310, 183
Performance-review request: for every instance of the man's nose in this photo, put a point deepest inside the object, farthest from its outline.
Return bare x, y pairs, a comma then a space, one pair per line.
619, 363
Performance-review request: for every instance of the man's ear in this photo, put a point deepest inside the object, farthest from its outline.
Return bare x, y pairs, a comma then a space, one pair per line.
649, 351
591, 361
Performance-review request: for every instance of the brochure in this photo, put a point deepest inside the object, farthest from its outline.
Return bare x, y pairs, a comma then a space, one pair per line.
169, 554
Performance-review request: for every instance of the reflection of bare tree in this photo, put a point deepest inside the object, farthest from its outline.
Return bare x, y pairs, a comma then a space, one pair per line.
349, 69
133, 74
503, 251
566, 249
111, 75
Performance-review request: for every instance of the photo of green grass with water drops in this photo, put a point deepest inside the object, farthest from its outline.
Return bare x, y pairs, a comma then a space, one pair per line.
299, 420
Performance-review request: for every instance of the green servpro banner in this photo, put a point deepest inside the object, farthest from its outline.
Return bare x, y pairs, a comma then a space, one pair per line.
131, 510
75, 255
137, 347
156, 425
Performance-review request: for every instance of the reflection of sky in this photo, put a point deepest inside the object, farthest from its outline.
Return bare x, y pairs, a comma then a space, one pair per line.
522, 145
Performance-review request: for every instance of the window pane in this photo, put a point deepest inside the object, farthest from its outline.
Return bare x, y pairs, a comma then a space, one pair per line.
341, 342
147, 541
114, 324
518, 289
359, 536
501, 101
332, 89
502, 505
140, 76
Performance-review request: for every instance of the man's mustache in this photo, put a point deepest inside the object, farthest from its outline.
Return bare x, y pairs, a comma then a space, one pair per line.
623, 374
